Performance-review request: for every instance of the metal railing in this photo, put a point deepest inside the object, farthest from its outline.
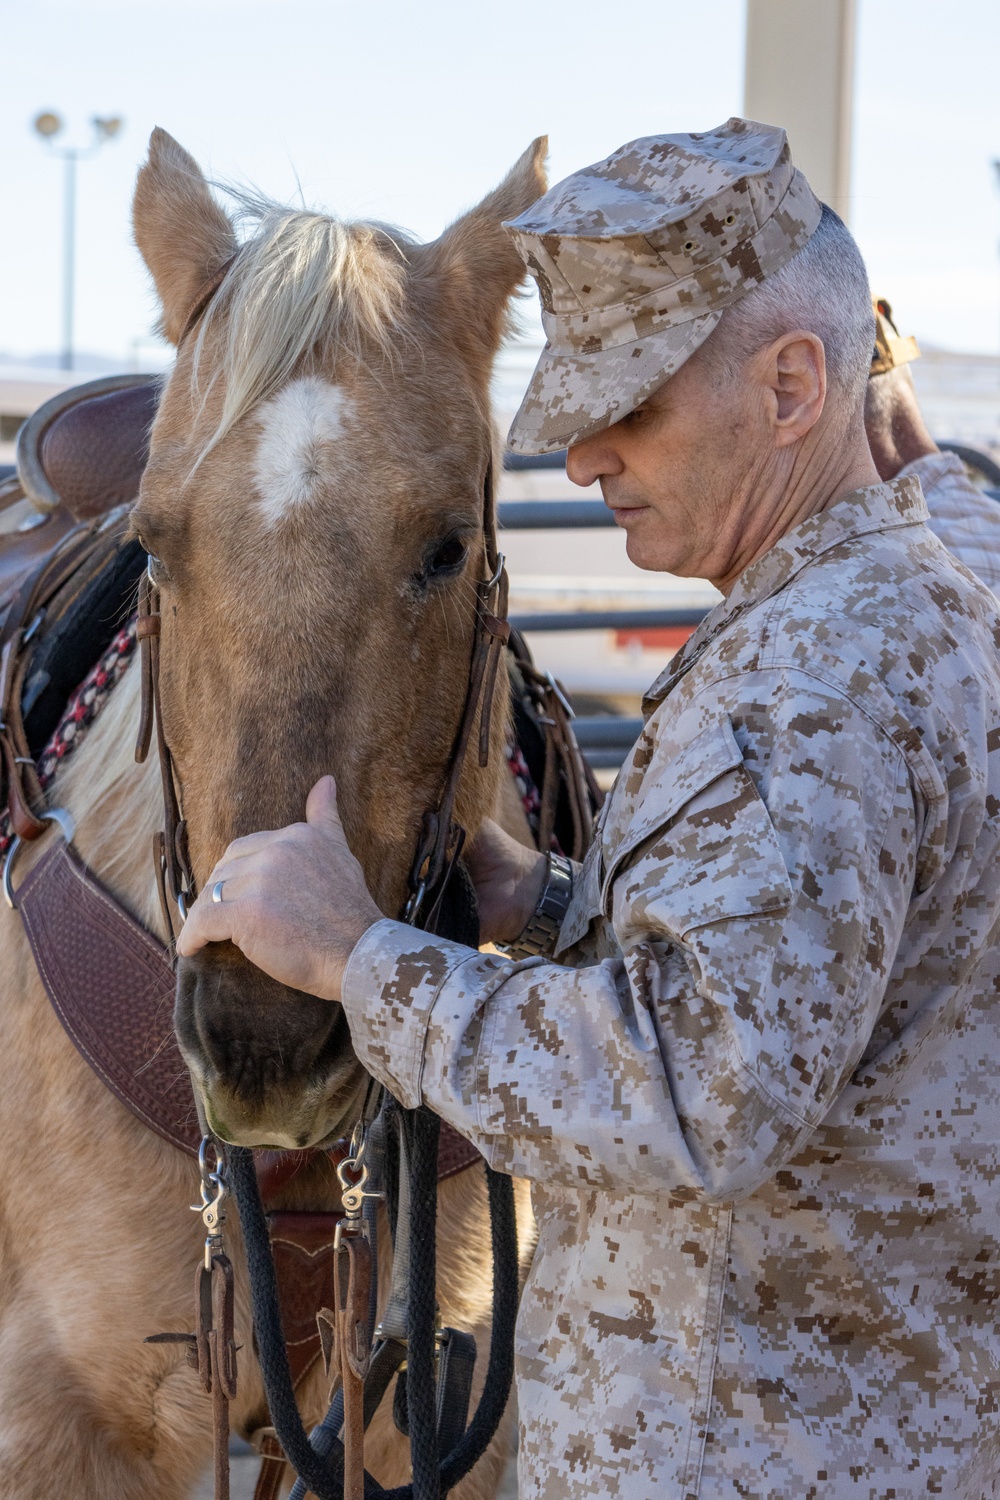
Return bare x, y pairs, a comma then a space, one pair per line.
611, 619
606, 741
553, 515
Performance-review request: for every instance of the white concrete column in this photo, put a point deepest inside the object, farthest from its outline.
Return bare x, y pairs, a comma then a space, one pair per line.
800, 74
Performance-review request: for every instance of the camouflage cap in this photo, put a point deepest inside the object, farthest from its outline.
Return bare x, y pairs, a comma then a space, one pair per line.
637, 257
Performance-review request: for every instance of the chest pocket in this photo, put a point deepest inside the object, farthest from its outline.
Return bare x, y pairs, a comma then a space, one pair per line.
692, 845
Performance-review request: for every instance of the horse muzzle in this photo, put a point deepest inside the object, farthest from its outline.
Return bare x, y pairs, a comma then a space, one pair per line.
272, 1067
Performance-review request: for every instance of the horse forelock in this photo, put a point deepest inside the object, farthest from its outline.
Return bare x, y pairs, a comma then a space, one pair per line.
303, 282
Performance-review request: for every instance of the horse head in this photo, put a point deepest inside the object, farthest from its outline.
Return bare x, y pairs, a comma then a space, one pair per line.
313, 508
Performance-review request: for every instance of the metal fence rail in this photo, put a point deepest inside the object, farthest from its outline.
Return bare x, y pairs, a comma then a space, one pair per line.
577, 515
553, 515
606, 741
611, 619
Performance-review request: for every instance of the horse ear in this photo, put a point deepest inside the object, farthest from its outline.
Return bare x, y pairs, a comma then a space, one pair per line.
475, 267
182, 233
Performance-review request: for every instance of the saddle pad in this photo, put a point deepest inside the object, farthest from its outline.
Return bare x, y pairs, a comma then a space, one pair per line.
111, 983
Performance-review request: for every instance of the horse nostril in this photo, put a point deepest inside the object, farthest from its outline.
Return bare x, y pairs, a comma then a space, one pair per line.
273, 1068
254, 1037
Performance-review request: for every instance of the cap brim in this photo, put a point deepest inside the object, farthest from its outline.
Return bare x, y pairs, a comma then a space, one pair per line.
572, 396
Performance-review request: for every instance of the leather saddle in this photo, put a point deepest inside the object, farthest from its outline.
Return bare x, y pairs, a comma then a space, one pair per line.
84, 450
68, 572
80, 456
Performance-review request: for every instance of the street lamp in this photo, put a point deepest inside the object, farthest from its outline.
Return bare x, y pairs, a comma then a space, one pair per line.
48, 125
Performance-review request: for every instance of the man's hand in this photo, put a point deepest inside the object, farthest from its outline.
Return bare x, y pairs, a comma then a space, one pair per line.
508, 879
294, 900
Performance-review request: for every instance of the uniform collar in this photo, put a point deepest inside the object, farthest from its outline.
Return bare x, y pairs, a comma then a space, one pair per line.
876, 508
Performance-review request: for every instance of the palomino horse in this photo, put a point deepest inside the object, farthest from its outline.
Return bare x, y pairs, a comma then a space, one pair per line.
313, 505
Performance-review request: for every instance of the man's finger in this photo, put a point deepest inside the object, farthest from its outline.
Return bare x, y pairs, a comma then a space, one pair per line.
251, 843
321, 804
208, 922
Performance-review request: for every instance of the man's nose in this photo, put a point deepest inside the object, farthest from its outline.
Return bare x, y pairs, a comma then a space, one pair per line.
592, 459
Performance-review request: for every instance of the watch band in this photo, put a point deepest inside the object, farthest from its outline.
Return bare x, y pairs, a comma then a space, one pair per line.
539, 937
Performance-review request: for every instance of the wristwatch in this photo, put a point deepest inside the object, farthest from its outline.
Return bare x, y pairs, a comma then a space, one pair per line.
543, 928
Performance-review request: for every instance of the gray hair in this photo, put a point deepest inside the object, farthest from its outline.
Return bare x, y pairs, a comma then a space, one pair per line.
824, 289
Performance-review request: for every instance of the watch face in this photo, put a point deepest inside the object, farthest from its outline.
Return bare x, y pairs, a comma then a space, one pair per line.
542, 930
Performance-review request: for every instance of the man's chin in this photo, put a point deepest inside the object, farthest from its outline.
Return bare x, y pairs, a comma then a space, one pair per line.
645, 543
639, 545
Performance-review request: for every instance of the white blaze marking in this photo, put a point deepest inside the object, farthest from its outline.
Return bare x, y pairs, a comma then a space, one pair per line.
298, 428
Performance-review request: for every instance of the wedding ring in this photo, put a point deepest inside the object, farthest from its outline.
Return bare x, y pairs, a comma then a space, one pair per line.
217, 895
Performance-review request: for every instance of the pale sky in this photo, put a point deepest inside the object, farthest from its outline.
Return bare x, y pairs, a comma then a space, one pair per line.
409, 112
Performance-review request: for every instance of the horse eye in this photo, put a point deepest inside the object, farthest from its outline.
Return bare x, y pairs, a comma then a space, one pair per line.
448, 557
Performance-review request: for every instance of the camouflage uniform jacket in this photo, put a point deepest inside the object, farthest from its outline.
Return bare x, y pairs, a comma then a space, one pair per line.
758, 1095
966, 519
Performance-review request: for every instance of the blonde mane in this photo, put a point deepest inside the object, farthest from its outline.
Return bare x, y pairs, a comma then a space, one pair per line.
301, 280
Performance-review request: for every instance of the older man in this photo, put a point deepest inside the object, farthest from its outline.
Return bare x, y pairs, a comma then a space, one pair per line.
751, 1067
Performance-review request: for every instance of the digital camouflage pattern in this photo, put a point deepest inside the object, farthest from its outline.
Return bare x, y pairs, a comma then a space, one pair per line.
966, 519
758, 1095
636, 259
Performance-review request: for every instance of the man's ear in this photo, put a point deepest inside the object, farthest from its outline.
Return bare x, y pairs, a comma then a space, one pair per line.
795, 368
182, 233
473, 270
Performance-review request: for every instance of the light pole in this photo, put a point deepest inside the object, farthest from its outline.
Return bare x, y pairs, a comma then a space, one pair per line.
48, 125
996, 171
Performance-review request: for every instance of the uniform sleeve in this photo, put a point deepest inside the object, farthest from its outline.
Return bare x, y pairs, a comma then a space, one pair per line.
757, 891
965, 519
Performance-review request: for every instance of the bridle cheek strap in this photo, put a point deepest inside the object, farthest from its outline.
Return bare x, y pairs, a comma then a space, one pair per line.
171, 859
441, 839
174, 876
496, 627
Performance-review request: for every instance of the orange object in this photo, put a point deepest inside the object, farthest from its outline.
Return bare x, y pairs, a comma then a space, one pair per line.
658, 638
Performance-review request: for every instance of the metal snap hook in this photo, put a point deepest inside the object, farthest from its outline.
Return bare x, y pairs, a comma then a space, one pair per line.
214, 1192
57, 815
415, 902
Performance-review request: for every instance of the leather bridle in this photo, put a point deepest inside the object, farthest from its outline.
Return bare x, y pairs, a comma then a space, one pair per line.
441, 839
435, 858
172, 862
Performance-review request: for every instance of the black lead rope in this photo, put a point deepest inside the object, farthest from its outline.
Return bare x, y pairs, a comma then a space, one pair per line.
323, 1473
421, 1130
